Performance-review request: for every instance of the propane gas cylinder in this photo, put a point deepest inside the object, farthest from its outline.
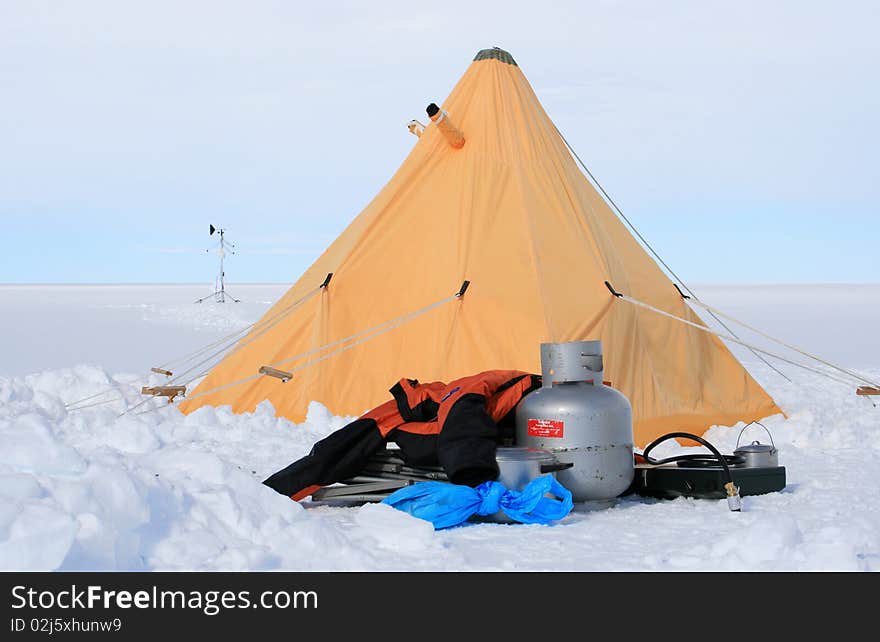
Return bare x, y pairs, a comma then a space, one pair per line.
580, 420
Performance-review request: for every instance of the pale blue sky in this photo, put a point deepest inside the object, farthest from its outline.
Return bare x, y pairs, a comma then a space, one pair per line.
741, 138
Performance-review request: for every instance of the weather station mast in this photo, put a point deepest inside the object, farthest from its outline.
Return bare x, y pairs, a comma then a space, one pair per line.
222, 247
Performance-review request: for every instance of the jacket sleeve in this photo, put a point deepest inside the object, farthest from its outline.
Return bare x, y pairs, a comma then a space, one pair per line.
467, 442
338, 456
467, 414
346, 452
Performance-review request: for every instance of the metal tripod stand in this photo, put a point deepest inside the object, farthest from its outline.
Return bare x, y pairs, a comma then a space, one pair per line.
220, 294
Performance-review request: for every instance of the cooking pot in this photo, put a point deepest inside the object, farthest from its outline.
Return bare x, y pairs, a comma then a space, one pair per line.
518, 466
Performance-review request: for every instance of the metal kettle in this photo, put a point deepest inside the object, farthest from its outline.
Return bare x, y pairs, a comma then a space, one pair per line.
756, 454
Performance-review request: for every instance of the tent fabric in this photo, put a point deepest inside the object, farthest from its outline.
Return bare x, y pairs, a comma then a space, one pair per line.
511, 212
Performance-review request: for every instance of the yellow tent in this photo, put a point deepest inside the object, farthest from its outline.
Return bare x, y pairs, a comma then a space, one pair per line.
510, 212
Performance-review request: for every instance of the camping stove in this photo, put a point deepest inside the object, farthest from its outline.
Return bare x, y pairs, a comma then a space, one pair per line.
669, 481
754, 468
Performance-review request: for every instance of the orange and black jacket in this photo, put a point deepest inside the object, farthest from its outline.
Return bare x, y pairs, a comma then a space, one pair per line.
456, 425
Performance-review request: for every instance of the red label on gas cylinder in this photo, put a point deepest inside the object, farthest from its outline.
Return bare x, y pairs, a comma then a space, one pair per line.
546, 428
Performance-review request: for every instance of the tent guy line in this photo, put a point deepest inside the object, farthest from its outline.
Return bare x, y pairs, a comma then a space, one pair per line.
392, 324
721, 335
653, 251
260, 324
373, 332
404, 318
265, 328
227, 342
360, 337
259, 331
801, 351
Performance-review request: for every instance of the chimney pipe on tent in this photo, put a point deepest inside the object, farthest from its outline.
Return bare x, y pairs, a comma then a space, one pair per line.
450, 132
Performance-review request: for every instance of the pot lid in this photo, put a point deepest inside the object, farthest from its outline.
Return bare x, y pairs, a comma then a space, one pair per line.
755, 447
523, 454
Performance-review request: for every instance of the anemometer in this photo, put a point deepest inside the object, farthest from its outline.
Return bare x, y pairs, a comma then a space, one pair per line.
222, 246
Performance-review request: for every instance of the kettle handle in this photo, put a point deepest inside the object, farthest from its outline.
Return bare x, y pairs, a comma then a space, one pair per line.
762, 426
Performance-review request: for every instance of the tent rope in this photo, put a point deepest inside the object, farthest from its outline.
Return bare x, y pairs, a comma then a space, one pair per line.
192, 355
642, 304
277, 315
250, 339
262, 326
651, 248
801, 351
374, 331
335, 343
359, 338
97, 403
70, 406
238, 347
228, 339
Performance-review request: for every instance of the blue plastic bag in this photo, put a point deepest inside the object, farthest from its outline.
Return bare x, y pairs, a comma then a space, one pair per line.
446, 505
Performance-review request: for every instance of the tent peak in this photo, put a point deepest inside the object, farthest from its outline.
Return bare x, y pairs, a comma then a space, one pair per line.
495, 53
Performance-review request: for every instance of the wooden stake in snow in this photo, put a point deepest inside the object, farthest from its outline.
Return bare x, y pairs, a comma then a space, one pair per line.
164, 391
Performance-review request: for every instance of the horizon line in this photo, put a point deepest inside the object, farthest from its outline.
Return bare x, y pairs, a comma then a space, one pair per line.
291, 283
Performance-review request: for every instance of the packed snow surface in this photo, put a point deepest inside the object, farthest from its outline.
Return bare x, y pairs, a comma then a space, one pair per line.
154, 489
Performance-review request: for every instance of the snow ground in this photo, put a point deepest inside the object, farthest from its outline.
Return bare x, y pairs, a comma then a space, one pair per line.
91, 490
